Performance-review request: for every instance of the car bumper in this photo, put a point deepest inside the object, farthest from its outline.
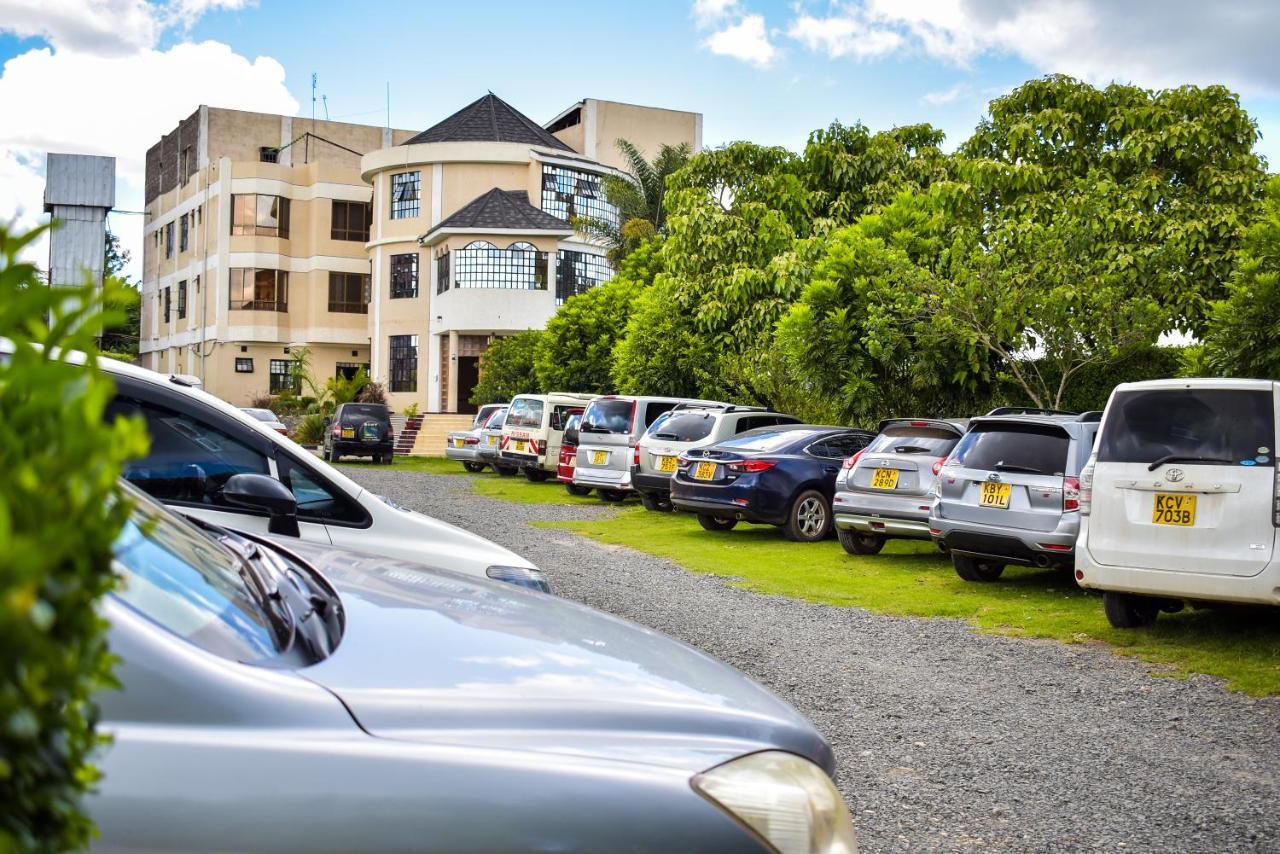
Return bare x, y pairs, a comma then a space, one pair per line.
902, 516
1010, 545
602, 477
487, 453
366, 449
467, 453
651, 484
724, 508
521, 461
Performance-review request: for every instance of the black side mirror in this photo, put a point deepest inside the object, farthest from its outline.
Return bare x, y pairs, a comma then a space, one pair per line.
262, 492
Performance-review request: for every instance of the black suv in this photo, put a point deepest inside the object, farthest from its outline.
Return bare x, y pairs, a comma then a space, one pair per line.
359, 430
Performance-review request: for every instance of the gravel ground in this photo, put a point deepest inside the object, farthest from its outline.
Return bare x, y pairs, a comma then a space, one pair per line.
948, 740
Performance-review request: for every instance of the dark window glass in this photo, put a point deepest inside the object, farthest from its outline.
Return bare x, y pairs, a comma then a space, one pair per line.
351, 221
168, 240
607, 416
480, 264
653, 410
578, 272
404, 276
182, 299
358, 413
525, 412
243, 365
570, 193
260, 290
280, 376
442, 273
261, 215
349, 292
268, 154
684, 427
1227, 426
1026, 448
182, 233
404, 195
188, 460
403, 351
168, 303
561, 414
840, 447
906, 439
318, 500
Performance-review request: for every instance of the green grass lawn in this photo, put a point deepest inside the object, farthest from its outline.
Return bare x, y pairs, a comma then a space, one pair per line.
912, 579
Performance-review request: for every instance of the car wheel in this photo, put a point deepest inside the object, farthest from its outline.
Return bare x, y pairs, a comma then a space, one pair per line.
942, 547
715, 523
334, 456
574, 489
858, 543
536, 475
474, 468
972, 569
654, 503
809, 518
1126, 611
612, 494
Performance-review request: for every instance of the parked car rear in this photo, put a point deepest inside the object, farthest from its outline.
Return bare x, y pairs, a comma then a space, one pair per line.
1010, 491
1181, 500
490, 438
689, 425
883, 491
783, 475
360, 430
464, 445
267, 417
569, 457
534, 429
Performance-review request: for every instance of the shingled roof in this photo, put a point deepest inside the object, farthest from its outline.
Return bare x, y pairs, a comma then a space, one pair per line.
508, 210
490, 119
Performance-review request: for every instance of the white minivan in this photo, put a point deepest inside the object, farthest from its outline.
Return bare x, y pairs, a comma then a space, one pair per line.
1180, 501
534, 430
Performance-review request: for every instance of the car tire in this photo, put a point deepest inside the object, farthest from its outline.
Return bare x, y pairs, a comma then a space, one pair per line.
858, 543
389, 459
809, 519
536, 475
972, 569
614, 495
715, 523
474, 468
574, 489
655, 503
1126, 611
334, 456
506, 471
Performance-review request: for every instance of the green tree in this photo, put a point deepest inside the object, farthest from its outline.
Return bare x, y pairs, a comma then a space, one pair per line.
506, 369
121, 340
1243, 338
61, 508
640, 199
661, 350
575, 352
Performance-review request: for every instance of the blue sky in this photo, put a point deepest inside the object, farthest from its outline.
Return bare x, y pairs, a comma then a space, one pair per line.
765, 71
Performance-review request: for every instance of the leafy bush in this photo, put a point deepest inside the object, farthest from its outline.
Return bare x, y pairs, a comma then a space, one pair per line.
310, 430
60, 511
372, 393
506, 369
262, 400
411, 411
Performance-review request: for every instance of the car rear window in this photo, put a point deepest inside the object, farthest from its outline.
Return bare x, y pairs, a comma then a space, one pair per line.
686, 427
496, 418
358, 413
769, 441
910, 439
524, 412
607, 416
1025, 448
1222, 426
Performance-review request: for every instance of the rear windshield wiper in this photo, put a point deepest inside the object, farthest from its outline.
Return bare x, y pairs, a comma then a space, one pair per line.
1013, 467
674, 436
910, 449
1181, 458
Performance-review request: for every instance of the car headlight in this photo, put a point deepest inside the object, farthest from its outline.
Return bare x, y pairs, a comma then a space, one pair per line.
521, 576
786, 799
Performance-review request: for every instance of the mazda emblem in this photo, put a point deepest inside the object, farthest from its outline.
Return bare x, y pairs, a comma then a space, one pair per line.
1174, 475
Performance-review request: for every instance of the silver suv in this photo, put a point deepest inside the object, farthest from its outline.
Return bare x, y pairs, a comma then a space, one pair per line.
690, 425
1010, 491
884, 491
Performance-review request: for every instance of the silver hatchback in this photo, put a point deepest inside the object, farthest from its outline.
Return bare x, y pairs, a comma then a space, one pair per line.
884, 492
1010, 491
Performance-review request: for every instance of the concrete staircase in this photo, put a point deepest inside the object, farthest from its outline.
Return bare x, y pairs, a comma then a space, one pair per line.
430, 433
406, 432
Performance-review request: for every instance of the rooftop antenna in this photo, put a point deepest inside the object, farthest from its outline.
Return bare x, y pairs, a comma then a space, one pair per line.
324, 99
313, 99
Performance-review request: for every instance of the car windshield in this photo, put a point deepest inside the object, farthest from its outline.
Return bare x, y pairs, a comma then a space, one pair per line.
612, 415
773, 440
684, 426
913, 439
1026, 448
496, 419
525, 412
1209, 426
188, 583
354, 414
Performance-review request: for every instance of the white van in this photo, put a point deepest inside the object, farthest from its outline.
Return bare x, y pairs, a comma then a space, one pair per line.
534, 430
1180, 501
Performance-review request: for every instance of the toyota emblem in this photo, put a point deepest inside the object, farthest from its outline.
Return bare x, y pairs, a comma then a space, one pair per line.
1174, 475
993, 477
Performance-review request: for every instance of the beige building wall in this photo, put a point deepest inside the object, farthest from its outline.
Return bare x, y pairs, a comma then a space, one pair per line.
600, 124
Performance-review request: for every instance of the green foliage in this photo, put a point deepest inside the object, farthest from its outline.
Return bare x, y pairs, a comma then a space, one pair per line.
310, 430
506, 369
61, 508
339, 390
372, 393
575, 353
1243, 339
304, 382
412, 410
640, 199
661, 351
120, 341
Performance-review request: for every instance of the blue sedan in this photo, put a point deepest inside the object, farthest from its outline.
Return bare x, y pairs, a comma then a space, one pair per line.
782, 476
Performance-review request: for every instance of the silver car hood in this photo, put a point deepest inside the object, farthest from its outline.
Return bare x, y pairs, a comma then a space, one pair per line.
434, 656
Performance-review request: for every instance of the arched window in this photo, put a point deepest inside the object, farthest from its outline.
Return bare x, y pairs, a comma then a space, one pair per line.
480, 264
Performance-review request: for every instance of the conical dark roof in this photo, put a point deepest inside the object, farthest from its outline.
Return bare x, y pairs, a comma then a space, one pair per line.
489, 119
502, 209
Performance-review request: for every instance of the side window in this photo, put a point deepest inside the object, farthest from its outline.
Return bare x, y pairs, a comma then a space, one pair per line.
822, 450
653, 410
189, 460
846, 446
317, 500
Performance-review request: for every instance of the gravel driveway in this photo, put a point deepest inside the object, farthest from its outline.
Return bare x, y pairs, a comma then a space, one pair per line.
947, 740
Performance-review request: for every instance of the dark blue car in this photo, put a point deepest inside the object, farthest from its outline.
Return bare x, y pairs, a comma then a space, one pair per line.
782, 475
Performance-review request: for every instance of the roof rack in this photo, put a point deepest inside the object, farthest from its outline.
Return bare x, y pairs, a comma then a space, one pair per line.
724, 407
1028, 410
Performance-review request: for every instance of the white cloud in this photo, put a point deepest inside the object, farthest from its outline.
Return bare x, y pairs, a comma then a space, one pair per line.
1156, 43
108, 26
709, 12
119, 102
746, 40
946, 96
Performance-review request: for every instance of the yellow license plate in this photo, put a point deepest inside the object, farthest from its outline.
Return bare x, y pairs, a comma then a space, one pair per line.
995, 495
704, 471
884, 479
1172, 509
599, 458
666, 464
493, 440
458, 443
519, 445
348, 432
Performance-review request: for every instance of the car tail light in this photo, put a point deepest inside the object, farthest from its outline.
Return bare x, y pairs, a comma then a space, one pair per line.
337, 429
1084, 499
1056, 547
853, 461
471, 440
751, 466
1070, 493
938, 464
635, 455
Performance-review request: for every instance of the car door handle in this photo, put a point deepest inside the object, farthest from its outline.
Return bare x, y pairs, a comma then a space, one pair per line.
830, 469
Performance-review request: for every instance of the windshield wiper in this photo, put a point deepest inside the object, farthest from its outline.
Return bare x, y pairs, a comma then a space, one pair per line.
263, 589
1181, 458
1013, 467
910, 449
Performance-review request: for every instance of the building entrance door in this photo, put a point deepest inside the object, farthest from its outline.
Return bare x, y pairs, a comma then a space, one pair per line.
468, 376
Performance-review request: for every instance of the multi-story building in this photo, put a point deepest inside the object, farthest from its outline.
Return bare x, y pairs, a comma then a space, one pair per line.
403, 252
